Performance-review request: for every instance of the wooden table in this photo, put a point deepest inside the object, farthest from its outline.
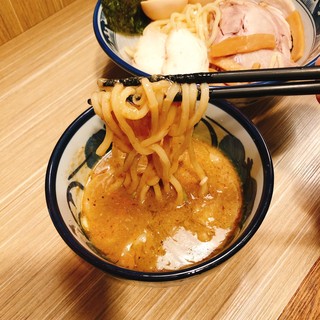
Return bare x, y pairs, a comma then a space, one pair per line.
46, 76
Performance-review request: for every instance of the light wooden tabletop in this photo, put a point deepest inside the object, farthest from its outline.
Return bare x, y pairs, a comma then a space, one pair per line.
46, 76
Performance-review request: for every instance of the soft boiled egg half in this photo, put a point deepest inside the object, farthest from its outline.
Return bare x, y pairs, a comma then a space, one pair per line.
162, 9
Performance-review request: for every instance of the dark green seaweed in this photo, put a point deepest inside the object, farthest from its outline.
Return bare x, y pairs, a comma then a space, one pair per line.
125, 16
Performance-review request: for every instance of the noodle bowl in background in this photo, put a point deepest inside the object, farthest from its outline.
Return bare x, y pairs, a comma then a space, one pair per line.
114, 43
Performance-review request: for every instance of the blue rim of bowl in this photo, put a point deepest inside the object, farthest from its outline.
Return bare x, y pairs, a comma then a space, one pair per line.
127, 66
62, 228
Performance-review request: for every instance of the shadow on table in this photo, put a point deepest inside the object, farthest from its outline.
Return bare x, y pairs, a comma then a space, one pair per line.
92, 291
273, 122
283, 128
96, 295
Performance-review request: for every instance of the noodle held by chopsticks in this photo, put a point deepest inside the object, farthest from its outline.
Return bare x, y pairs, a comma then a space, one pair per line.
150, 132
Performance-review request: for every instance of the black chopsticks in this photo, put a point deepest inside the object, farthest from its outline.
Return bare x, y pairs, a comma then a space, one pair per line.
256, 90
276, 74
257, 83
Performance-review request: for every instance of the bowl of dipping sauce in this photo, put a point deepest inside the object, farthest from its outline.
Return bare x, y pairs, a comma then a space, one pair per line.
158, 190
208, 36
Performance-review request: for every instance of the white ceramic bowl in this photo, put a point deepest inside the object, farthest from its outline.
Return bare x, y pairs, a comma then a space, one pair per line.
223, 125
113, 43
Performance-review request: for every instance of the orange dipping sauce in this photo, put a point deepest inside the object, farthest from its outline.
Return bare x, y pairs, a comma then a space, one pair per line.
157, 235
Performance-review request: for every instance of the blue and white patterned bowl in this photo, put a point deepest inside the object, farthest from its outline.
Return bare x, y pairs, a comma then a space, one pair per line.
224, 126
114, 43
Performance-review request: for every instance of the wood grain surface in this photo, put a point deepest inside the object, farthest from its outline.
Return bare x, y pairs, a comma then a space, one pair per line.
46, 76
305, 304
17, 16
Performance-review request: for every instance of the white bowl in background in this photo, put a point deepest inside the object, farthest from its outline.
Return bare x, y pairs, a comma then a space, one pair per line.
114, 43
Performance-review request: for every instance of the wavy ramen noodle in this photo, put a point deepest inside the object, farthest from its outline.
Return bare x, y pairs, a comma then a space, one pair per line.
151, 132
